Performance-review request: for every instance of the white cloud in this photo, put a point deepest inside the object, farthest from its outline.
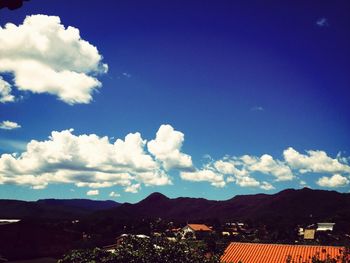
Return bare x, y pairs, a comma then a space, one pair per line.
335, 181
85, 160
134, 188
247, 181
266, 186
314, 161
230, 179
322, 22
9, 125
47, 57
267, 165
215, 179
5, 92
88, 160
114, 194
92, 192
225, 167
166, 147
214, 172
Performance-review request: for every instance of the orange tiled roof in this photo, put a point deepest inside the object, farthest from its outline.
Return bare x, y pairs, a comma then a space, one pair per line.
199, 227
268, 253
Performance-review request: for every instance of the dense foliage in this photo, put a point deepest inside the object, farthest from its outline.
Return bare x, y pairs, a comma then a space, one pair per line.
144, 250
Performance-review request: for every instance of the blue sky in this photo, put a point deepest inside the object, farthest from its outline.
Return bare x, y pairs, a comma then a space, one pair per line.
246, 98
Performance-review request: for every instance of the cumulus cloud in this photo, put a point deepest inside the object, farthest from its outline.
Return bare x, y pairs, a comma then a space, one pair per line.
89, 160
114, 194
266, 186
314, 161
267, 165
9, 125
247, 181
46, 57
336, 180
215, 179
134, 188
166, 147
5, 92
241, 177
92, 192
219, 173
85, 160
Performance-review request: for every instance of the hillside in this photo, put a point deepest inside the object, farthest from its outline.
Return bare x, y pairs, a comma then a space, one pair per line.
52, 208
288, 206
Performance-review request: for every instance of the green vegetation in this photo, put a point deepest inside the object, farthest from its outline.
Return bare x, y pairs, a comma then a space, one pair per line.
143, 250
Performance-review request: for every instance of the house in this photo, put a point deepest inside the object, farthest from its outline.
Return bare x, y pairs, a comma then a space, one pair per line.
277, 253
9, 221
195, 231
309, 234
325, 226
225, 233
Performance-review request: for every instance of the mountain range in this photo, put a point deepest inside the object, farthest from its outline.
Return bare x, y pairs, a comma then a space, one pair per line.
52, 208
288, 205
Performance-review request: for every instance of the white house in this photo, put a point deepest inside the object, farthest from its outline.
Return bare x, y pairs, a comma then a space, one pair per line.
194, 230
325, 226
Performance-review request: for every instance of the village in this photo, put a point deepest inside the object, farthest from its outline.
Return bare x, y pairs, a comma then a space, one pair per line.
233, 241
239, 242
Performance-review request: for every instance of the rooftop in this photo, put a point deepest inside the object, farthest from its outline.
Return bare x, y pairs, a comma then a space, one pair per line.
277, 253
199, 227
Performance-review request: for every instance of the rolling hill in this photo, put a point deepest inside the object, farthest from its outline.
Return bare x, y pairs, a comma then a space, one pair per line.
52, 208
286, 206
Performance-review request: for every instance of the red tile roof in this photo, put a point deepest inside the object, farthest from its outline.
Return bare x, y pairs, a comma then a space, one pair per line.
276, 253
199, 227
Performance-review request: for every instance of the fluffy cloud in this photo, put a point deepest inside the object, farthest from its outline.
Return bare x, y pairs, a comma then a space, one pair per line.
9, 125
92, 192
242, 176
5, 92
215, 173
215, 179
95, 162
314, 161
267, 165
166, 147
335, 181
247, 181
134, 188
114, 194
266, 186
85, 160
46, 57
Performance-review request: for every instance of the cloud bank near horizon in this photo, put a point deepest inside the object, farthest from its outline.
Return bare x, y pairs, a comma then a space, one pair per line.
89, 160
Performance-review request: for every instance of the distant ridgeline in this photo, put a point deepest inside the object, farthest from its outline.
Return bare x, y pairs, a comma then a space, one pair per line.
304, 206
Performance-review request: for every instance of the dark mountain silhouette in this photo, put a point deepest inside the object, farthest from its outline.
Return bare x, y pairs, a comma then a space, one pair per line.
297, 206
290, 205
52, 208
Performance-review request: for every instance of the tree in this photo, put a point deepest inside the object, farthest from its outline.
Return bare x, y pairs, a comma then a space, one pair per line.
144, 250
